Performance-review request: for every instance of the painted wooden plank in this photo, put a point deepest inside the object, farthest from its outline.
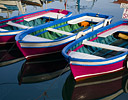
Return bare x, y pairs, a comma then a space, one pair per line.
80, 55
59, 31
116, 29
104, 46
54, 15
34, 38
18, 25
85, 18
35, 16
46, 14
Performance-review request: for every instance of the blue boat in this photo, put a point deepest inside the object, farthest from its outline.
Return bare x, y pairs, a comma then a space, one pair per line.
100, 52
52, 37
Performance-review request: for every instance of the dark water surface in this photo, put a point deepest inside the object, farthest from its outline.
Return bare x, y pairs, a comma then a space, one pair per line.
50, 78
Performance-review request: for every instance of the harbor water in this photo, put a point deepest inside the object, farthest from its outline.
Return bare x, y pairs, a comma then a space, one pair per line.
50, 78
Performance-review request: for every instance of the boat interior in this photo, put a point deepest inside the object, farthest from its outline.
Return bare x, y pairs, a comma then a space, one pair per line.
101, 47
20, 23
64, 29
30, 20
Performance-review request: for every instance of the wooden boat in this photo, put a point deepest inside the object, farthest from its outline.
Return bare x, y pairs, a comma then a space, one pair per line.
99, 52
14, 25
52, 37
42, 69
106, 87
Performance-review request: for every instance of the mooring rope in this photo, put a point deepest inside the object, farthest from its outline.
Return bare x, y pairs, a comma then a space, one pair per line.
45, 92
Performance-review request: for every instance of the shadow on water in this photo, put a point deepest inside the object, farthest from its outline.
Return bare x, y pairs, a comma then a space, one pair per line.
10, 54
42, 69
105, 87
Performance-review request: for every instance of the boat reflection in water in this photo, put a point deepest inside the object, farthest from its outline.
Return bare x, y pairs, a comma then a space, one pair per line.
10, 54
9, 6
42, 69
80, 5
105, 87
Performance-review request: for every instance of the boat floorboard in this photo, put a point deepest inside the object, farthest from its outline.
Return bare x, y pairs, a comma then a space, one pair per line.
109, 53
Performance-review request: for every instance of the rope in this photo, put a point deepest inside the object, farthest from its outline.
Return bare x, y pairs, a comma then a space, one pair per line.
45, 92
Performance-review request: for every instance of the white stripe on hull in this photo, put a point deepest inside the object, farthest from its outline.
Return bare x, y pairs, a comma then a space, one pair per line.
47, 43
81, 76
98, 63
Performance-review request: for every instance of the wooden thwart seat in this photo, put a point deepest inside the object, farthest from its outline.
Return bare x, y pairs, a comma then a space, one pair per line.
85, 18
80, 55
34, 38
116, 29
59, 31
18, 25
46, 14
54, 15
104, 46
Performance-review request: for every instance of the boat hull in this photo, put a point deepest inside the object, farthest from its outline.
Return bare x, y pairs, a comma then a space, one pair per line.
8, 38
89, 60
83, 72
35, 52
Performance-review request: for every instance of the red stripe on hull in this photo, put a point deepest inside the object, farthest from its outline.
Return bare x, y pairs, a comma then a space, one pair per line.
89, 71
